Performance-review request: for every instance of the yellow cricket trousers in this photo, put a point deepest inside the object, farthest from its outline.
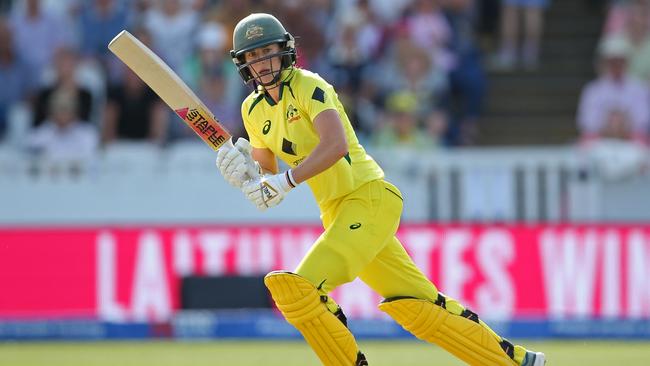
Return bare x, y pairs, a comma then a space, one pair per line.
359, 241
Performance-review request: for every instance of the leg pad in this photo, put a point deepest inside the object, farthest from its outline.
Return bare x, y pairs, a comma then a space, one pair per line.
460, 335
302, 306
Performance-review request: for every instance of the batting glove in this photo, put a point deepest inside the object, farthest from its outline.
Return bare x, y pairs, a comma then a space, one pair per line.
236, 163
269, 190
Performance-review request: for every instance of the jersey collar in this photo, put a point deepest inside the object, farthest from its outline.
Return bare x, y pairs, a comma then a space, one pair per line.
287, 75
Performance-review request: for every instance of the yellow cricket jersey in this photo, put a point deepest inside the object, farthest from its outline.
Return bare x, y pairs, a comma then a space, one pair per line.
286, 128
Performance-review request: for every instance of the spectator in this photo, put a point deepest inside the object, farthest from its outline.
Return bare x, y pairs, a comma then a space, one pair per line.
436, 126
310, 41
357, 54
37, 35
614, 104
619, 15
63, 144
638, 22
213, 93
411, 69
100, 21
428, 29
216, 82
134, 112
372, 38
171, 25
321, 12
366, 107
637, 29
402, 126
356, 43
14, 76
211, 40
466, 78
614, 111
66, 62
532, 12
228, 12
388, 11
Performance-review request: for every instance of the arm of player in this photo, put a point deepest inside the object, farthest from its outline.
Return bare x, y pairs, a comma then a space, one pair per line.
332, 146
266, 159
269, 191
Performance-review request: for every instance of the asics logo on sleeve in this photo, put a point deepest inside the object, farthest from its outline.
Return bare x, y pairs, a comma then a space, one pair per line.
267, 126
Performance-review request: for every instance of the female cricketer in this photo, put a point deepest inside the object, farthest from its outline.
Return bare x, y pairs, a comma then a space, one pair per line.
295, 115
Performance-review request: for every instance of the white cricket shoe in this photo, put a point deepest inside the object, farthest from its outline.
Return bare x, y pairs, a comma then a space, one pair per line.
534, 359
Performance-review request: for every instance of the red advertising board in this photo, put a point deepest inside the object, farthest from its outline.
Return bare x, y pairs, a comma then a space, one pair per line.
126, 274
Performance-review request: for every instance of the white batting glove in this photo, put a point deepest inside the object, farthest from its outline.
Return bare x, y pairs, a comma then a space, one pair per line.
236, 164
269, 190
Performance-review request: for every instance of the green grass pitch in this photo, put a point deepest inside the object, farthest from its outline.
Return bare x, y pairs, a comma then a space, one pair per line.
289, 353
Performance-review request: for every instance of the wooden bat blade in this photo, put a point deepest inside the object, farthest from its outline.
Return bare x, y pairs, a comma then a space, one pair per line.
170, 88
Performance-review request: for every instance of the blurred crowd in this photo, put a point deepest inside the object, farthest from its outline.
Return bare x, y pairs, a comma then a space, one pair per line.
409, 72
617, 103
614, 110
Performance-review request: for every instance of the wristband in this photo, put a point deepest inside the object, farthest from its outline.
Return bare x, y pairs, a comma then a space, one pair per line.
289, 175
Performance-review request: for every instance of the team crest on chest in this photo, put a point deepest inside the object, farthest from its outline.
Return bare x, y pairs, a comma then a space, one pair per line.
292, 114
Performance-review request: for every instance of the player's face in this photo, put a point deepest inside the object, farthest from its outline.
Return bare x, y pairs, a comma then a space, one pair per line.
267, 66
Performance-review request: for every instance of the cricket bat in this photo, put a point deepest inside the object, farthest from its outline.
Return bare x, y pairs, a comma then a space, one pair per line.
171, 89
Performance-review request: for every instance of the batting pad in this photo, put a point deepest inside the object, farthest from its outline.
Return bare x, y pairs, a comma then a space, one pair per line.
462, 337
300, 303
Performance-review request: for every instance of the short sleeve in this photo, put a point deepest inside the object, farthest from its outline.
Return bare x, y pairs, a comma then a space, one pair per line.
321, 96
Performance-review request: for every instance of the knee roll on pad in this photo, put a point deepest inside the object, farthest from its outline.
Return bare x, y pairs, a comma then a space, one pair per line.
460, 334
302, 306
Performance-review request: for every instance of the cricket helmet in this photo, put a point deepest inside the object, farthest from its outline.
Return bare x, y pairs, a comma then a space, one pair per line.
259, 30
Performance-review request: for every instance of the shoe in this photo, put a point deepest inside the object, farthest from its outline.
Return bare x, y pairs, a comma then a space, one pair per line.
534, 359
